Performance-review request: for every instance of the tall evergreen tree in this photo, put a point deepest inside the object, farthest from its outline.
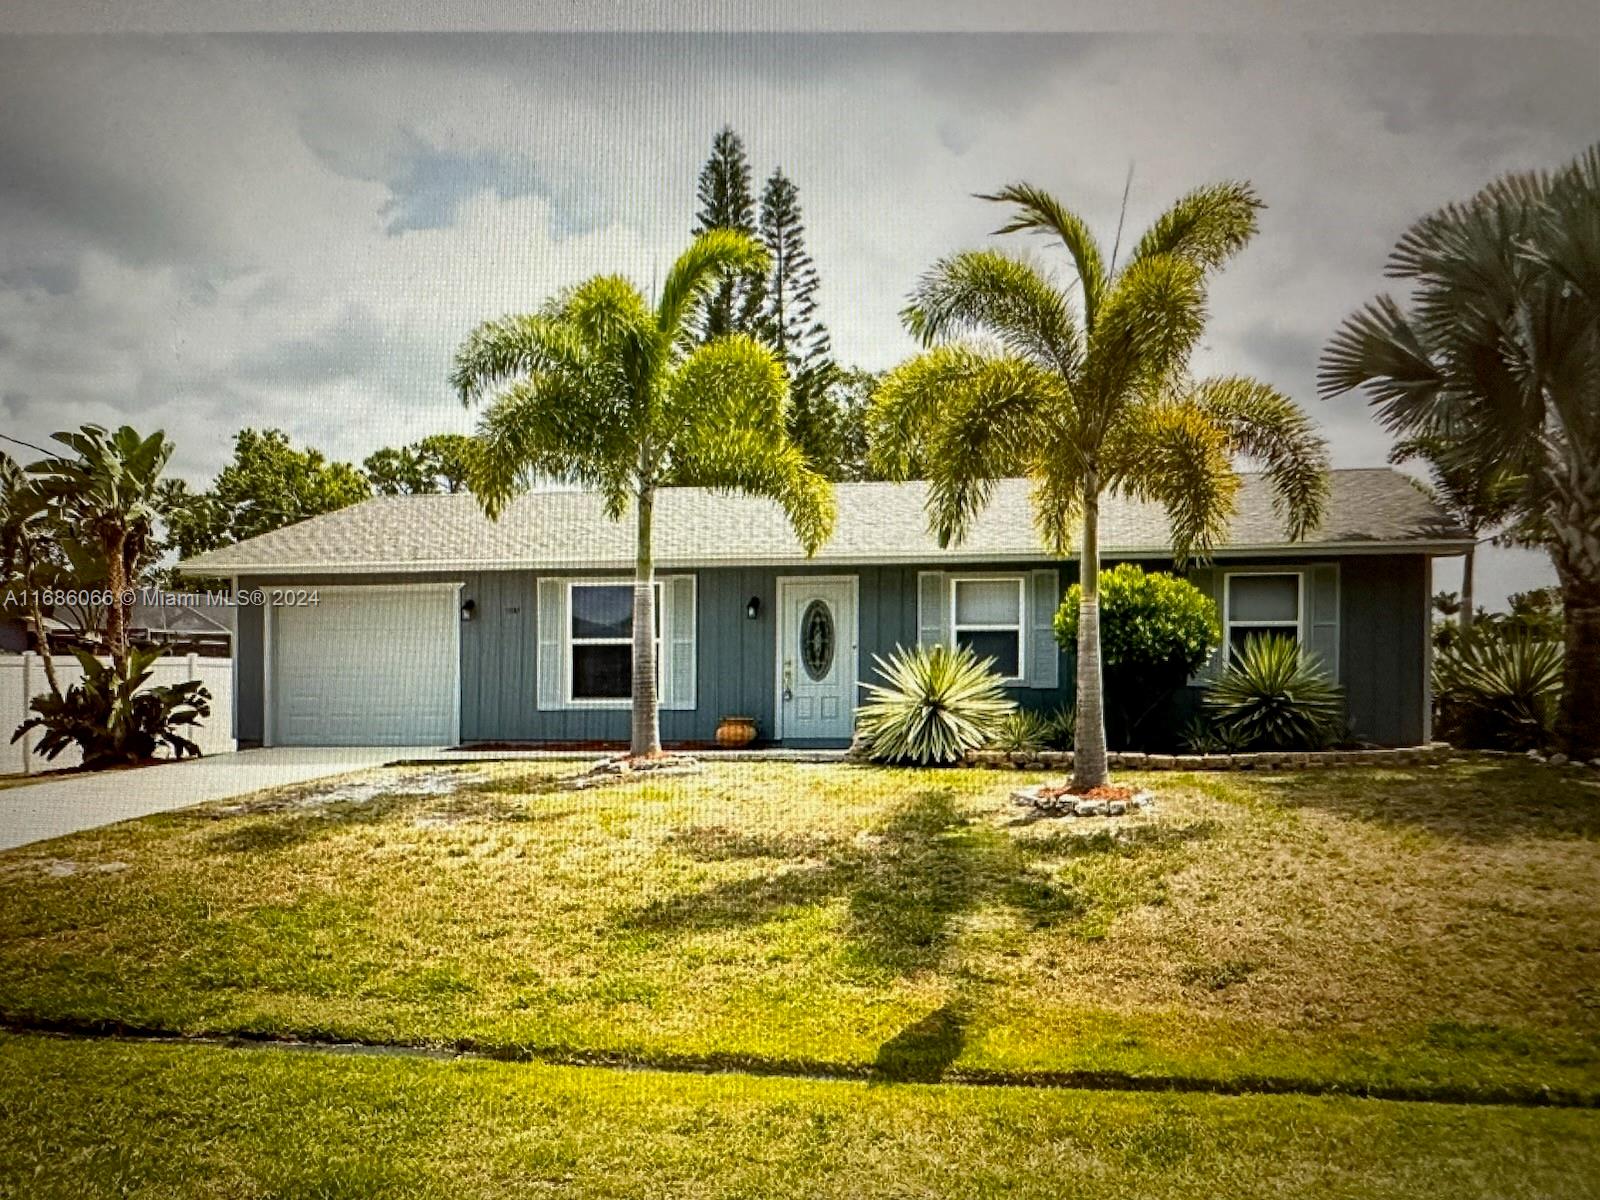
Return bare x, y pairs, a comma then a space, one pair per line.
789, 324
726, 202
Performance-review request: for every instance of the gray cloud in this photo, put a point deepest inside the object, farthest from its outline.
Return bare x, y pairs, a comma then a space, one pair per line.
204, 233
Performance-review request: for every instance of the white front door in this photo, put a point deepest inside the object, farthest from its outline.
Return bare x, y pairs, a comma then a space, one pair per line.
816, 658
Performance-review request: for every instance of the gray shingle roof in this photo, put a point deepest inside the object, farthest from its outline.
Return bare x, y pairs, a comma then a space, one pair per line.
877, 522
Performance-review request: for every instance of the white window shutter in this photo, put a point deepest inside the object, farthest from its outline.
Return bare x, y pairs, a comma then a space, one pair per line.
1322, 615
1044, 656
933, 609
678, 673
550, 620
1210, 581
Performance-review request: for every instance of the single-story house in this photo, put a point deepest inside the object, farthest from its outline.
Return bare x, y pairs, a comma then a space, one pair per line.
417, 620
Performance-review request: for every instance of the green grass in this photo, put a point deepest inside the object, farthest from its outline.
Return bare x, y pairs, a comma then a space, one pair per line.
84, 1120
1431, 931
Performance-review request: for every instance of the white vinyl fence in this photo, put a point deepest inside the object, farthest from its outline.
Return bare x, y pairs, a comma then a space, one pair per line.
22, 677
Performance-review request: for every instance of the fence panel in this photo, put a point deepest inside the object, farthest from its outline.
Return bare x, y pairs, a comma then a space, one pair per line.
22, 677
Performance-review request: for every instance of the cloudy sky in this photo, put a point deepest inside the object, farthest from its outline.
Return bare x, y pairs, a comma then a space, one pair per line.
200, 233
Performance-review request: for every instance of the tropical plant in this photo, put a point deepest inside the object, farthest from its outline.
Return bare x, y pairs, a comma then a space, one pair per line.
1477, 496
108, 495
1091, 402
601, 389
111, 720
1060, 726
1156, 631
1498, 355
1022, 730
1498, 690
1201, 735
24, 549
1274, 696
933, 705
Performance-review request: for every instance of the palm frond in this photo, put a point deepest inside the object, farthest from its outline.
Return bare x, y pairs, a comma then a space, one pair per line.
714, 255
1175, 454
1040, 212
1263, 424
1057, 498
1206, 227
906, 405
551, 425
726, 416
1378, 349
498, 352
1149, 324
979, 418
984, 291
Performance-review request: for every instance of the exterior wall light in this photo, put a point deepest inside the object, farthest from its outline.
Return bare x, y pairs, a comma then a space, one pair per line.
468, 607
753, 609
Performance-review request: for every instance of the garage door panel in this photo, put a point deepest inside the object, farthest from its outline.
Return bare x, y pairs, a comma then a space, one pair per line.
374, 668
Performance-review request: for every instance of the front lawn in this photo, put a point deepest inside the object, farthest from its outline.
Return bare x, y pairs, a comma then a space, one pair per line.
80, 1121
1433, 931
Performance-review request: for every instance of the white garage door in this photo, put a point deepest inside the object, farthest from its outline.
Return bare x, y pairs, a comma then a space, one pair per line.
366, 666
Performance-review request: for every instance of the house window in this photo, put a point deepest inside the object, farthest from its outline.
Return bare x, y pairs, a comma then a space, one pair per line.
601, 640
1261, 604
986, 616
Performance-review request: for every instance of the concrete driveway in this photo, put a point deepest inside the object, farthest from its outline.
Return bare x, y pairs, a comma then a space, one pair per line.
36, 811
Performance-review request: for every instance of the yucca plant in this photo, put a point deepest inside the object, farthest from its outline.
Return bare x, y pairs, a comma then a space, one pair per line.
933, 705
1499, 692
1273, 696
1022, 730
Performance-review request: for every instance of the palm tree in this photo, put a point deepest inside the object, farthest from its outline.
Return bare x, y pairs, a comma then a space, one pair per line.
23, 511
109, 496
1089, 402
1476, 496
1500, 350
600, 389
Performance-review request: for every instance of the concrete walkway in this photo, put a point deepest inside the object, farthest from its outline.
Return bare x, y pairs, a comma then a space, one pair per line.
60, 805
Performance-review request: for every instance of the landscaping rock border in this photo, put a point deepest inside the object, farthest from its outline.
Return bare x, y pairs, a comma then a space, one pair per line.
622, 766
1045, 760
1081, 806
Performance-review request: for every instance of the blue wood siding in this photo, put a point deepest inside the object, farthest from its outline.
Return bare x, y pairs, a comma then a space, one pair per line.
1383, 631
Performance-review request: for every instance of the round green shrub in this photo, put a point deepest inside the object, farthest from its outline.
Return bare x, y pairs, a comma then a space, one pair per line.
1156, 630
1151, 623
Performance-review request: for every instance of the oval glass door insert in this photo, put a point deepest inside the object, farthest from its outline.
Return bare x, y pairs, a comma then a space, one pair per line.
816, 640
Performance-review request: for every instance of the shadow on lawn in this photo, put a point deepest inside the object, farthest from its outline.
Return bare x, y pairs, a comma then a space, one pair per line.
1488, 800
922, 1052
906, 884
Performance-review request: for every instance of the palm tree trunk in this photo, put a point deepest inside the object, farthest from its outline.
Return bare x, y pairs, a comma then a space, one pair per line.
1578, 720
645, 738
116, 614
1089, 737
36, 615
1468, 562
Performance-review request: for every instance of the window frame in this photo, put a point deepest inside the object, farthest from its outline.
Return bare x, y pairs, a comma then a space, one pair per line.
569, 643
1299, 624
1020, 628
